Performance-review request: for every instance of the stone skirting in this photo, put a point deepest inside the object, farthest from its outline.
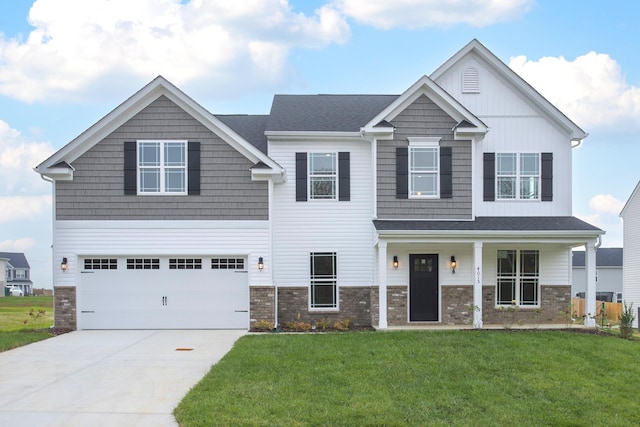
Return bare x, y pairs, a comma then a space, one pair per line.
64, 307
553, 300
355, 304
457, 305
262, 302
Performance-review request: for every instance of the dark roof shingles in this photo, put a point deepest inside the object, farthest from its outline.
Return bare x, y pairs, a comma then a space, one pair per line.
555, 223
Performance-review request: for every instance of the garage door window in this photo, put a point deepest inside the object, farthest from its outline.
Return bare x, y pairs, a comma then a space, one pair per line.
227, 263
143, 264
185, 264
101, 264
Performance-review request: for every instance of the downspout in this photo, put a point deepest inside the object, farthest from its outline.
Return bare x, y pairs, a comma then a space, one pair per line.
272, 257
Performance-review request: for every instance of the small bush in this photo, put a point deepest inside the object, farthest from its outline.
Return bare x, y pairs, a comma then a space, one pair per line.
626, 319
298, 326
263, 325
323, 324
343, 325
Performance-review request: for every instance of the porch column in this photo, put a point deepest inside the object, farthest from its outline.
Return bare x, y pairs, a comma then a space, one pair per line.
590, 294
382, 285
477, 284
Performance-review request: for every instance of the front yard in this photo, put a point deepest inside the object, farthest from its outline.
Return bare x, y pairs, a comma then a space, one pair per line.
420, 378
24, 320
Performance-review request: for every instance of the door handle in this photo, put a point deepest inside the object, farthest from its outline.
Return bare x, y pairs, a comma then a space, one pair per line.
164, 300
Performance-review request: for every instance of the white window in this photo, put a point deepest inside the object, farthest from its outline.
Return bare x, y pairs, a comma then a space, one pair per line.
162, 167
518, 176
517, 278
21, 274
424, 167
323, 174
323, 280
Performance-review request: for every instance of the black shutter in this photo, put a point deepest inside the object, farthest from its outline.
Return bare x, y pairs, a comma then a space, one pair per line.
402, 173
301, 177
489, 177
193, 161
130, 169
344, 177
547, 177
446, 178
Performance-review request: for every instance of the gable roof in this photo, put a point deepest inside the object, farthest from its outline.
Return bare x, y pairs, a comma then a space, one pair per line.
468, 123
133, 105
633, 195
324, 113
605, 257
250, 127
492, 61
16, 259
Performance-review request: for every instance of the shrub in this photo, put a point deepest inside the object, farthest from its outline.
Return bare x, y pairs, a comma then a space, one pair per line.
263, 325
343, 325
626, 319
298, 326
323, 324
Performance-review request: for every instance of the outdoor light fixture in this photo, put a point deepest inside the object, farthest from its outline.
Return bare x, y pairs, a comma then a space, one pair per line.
63, 264
395, 262
453, 264
260, 263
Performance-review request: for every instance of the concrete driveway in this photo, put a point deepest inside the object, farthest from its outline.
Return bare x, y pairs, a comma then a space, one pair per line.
106, 378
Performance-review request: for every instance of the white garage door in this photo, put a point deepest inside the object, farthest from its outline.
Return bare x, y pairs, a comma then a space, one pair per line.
164, 293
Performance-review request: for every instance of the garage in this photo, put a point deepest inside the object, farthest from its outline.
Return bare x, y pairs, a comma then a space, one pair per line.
163, 292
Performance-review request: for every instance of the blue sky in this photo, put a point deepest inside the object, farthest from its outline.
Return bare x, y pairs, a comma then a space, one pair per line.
66, 63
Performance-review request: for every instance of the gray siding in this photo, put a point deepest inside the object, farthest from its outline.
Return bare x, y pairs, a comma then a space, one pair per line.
424, 118
97, 189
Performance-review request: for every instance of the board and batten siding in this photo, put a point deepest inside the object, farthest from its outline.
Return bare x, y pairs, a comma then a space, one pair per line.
227, 192
75, 239
631, 253
424, 118
344, 227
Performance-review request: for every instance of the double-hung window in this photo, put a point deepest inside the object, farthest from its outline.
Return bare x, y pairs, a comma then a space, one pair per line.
162, 167
323, 174
518, 176
323, 280
424, 167
518, 277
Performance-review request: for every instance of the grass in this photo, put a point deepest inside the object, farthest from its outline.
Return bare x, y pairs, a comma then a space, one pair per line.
18, 327
464, 378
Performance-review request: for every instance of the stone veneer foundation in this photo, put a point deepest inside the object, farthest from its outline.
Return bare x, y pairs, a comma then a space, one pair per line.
262, 301
64, 307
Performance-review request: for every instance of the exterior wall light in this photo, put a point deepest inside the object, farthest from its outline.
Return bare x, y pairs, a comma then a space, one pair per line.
395, 262
64, 265
260, 263
453, 264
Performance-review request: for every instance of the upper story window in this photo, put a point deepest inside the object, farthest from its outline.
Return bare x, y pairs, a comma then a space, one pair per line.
518, 176
162, 167
21, 274
322, 175
424, 167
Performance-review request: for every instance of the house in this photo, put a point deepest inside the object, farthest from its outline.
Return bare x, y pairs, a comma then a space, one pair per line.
17, 271
630, 215
608, 274
439, 205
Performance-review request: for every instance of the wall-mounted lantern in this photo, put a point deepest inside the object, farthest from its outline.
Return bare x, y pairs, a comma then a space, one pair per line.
453, 264
395, 262
260, 263
64, 265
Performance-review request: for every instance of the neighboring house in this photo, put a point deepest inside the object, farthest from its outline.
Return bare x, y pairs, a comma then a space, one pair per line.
608, 274
631, 239
440, 205
17, 271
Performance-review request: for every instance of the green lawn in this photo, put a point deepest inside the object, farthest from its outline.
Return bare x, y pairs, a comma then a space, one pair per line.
18, 327
420, 378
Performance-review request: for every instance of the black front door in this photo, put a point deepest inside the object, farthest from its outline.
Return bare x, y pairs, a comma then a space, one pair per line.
423, 288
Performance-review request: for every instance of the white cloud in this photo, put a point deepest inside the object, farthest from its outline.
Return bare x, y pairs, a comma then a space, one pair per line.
78, 45
414, 14
19, 245
591, 90
606, 203
604, 214
21, 208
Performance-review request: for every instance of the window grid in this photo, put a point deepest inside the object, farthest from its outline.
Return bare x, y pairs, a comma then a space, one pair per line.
143, 263
162, 167
100, 264
518, 176
185, 263
424, 168
323, 279
323, 172
227, 263
518, 277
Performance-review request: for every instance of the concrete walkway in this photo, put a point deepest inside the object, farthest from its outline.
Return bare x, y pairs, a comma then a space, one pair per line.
106, 378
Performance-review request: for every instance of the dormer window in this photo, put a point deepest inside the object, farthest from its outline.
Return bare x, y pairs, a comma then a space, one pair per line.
470, 80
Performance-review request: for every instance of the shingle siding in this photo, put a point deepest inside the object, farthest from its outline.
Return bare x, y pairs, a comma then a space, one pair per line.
424, 118
97, 189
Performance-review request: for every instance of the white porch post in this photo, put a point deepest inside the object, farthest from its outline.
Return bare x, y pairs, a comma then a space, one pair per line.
382, 285
477, 284
590, 294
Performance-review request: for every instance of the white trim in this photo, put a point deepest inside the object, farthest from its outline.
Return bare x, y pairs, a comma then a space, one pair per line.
424, 141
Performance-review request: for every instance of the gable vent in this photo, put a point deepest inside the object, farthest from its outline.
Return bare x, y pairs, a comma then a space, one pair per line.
470, 81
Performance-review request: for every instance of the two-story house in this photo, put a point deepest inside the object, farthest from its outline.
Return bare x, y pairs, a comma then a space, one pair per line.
17, 271
440, 205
